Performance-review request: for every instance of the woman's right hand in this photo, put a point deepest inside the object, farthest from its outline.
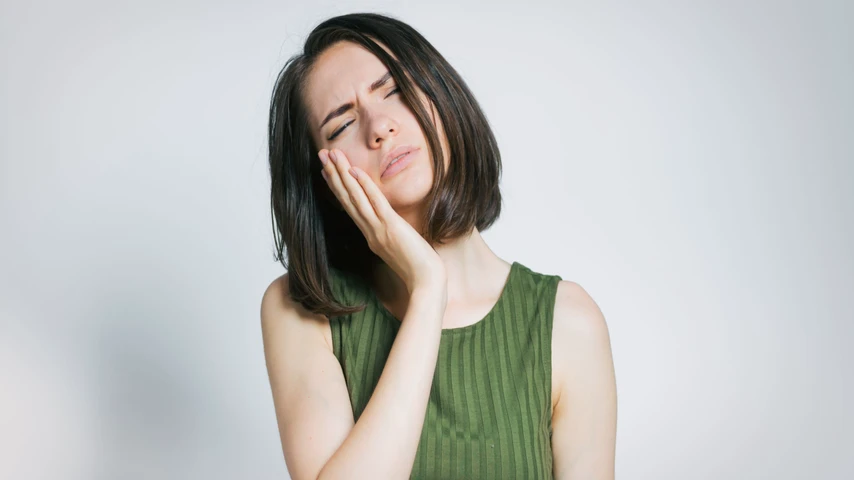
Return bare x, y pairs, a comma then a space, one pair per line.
389, 236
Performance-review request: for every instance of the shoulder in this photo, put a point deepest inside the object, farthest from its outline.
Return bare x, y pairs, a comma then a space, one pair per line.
275, 289
584, 418
580, 337
276, 300
576, 311
282, 317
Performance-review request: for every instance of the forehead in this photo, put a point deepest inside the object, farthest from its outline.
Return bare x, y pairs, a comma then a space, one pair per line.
338, 73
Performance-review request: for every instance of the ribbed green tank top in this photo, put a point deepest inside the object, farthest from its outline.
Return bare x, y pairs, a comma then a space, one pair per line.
490, 406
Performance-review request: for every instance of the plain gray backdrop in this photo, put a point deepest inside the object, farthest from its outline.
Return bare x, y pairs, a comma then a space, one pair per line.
688, 163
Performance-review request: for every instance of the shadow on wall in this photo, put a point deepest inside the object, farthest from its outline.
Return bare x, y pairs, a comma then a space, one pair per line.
160, 415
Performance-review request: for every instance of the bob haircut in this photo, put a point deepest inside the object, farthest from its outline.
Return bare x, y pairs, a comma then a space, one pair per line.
309, 221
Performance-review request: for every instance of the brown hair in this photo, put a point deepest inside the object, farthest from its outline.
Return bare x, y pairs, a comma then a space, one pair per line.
307, 218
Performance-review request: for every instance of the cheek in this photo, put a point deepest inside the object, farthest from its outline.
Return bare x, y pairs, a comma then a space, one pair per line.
358, 157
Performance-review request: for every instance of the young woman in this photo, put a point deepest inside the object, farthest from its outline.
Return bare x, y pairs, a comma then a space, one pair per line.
398, 345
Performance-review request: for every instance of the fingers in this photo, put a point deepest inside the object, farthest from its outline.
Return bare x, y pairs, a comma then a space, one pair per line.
333, 179
375, 196
348, 190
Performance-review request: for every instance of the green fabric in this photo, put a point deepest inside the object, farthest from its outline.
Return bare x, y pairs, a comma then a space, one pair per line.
489, 412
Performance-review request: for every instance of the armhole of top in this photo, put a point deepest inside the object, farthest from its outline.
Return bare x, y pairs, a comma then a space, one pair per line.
341, 284
345, 290
549, 304
334, 321
335, 327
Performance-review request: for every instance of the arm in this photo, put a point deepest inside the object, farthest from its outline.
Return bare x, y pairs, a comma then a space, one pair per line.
313, 410
584, 422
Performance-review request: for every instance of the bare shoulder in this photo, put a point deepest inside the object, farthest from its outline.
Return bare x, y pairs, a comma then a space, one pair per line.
579, 334
576, 310
280, 312
584, 419
277, 297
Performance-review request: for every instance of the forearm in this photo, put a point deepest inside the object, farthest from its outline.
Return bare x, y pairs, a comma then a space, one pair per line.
384, 440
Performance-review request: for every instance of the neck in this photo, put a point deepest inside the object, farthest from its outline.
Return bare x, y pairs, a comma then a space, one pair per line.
469, 263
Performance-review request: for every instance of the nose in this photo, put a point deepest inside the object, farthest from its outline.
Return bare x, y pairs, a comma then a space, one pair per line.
382, 128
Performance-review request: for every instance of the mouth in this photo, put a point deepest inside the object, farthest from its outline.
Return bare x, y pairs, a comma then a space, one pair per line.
398, 163
402, 156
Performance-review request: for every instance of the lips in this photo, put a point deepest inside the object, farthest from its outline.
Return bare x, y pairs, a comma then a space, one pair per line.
398, 151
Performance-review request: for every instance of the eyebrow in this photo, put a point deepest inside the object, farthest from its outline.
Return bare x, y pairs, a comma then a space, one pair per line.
347, 106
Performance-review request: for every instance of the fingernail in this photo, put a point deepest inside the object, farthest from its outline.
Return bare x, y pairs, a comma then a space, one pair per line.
323, 173
353, 173
323, 158
333, 157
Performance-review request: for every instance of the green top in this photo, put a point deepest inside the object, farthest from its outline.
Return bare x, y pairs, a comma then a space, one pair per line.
490, 407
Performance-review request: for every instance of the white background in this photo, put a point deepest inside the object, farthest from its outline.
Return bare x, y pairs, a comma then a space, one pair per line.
688, 163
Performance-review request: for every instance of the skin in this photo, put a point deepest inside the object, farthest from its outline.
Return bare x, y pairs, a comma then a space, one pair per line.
583, 379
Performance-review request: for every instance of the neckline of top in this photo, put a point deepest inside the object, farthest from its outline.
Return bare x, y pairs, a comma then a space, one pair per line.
514, 267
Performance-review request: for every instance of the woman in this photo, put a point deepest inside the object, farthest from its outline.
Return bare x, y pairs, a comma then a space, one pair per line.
398, 345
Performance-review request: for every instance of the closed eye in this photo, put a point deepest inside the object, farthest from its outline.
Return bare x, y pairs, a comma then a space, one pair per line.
338, 132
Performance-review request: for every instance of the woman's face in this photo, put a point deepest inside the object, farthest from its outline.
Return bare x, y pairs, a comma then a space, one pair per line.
375, 123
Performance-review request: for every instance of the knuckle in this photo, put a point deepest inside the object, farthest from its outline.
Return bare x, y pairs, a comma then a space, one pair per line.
372, 240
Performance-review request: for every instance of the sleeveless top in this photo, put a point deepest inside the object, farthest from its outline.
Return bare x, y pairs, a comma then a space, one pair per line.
490, 406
